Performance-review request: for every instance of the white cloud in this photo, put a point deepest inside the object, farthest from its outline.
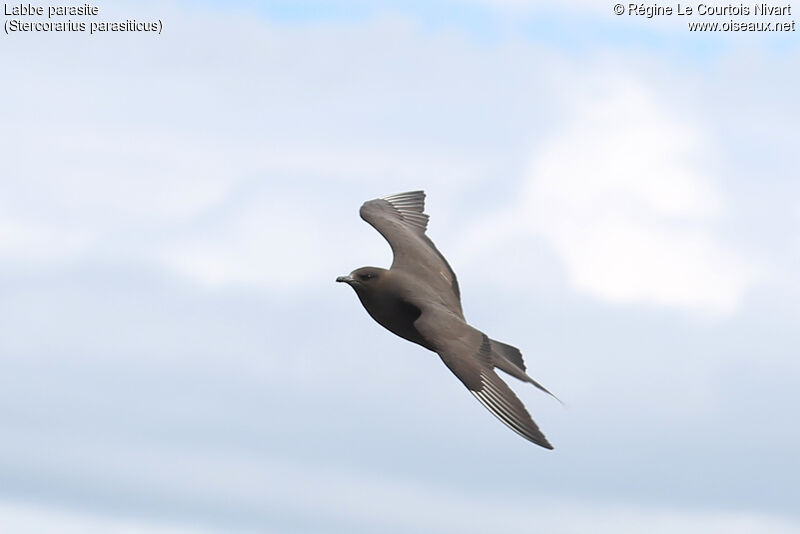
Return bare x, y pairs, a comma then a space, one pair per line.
270, 244
128, 168
351, 501
21, 518
31, 241
624, 196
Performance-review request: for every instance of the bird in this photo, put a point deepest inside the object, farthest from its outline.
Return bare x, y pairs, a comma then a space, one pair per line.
418, 299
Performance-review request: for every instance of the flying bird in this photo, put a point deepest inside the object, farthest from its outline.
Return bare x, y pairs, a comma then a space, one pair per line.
419, 300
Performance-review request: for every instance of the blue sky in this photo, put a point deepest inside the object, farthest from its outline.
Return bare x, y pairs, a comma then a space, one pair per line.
618, 197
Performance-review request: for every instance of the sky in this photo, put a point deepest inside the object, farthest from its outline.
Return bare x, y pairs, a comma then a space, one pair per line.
618, 196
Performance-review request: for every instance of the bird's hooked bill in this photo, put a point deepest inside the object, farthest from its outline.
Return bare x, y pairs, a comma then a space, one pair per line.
345, 279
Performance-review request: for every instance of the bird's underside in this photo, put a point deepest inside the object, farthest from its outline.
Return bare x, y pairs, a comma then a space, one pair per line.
418, 298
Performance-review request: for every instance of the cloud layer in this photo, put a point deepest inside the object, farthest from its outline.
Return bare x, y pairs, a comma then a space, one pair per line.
173, 212
626, 196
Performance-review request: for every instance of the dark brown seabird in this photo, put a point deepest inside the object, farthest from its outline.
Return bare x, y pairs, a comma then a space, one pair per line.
418, 299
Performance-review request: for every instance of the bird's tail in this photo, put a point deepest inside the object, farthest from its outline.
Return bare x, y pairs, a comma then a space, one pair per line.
509, 359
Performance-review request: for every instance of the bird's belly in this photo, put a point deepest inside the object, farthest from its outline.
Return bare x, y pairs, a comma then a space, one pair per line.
406, 331
398, 318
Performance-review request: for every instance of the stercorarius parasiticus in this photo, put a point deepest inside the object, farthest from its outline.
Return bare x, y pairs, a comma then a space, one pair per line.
418, 299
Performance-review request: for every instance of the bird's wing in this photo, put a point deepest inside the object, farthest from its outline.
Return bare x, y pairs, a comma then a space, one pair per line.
467, 353
400, 219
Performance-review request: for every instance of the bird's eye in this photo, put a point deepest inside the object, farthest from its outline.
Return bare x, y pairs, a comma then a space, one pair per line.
367, 276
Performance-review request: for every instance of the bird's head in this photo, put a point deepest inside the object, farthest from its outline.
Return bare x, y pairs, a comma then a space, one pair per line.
364, 279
